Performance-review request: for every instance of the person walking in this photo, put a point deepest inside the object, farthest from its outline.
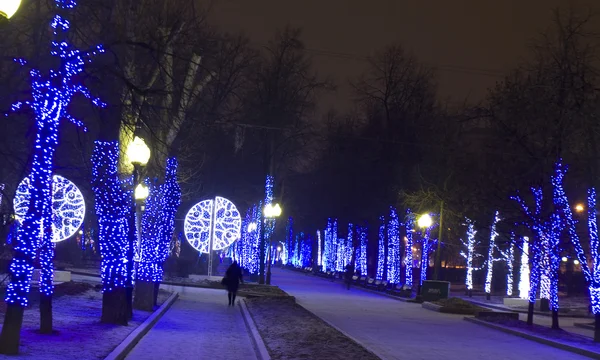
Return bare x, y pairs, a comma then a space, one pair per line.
349, 274
233, 278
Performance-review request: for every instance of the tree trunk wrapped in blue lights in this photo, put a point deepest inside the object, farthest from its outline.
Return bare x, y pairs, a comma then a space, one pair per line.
51, 96
289, 240
393, 240
158, 225
113, 211
538, 227
409, 226
381, 250
362, 258
426, 247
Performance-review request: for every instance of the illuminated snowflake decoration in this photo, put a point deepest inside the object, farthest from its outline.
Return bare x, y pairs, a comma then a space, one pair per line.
218, 218
68, 206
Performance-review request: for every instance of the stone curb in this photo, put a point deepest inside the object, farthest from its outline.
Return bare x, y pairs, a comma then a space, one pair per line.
539, 339
521, 311
121, 351
259, 345
432, 306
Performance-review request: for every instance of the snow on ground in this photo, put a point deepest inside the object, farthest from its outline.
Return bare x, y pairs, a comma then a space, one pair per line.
198, 326
291, 332
79, 333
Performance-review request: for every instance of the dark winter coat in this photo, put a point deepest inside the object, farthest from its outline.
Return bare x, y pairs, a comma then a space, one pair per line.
233, 277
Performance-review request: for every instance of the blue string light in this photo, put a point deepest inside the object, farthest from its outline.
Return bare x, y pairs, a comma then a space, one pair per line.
251, 239
327, 247
592, 274
409, 226
524, 270
51, 96
490, 257
168, 204
112, 209
393, 237
426, 247
470, 255
319, 244
289, 231
361, 251
381, 249
349, 245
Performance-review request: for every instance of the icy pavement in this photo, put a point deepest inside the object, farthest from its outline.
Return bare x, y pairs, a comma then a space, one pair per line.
394, 329
198, 326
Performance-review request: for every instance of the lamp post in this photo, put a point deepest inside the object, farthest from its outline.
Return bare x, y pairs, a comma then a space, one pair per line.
424, 222
8, 8
139, 154
271, 211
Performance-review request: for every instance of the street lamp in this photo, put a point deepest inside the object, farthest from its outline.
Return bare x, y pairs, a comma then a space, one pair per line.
579, 208
425, 221
271, 211
139, 154
141, 192
8, 8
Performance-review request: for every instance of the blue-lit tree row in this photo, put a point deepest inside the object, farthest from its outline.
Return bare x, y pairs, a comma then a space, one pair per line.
51, 96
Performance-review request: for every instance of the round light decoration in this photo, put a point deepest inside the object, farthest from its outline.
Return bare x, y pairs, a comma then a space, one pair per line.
218, 218
68, 206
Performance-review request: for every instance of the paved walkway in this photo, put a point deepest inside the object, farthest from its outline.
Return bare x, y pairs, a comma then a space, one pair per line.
198, 326
398, 330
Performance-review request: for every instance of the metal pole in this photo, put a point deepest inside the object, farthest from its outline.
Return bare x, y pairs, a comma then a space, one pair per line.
269, 264
261, 266
132, 237
438, 253
210, 238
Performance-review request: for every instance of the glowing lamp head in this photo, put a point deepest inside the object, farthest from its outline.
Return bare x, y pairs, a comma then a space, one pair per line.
425, 221
272, 210
141, 192
138, 152
279, 248
579, 208
564, 259
576, 262
8, 8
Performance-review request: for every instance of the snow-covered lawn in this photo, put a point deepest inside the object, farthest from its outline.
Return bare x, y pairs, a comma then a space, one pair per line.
79, 333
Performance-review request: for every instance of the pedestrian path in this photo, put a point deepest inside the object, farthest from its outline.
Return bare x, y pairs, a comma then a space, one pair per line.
197, 326
394, 329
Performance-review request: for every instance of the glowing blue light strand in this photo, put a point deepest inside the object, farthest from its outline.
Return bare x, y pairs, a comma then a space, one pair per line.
594, 273
490, 257
511, 266
319, 254
112, 210
426, 247
290, 239
393, 238
349, 245
470, 255
51, 97
524, 270
326, 261
409, 226
169, 204
381, 250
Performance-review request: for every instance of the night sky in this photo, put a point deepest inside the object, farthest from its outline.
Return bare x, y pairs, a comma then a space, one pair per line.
471, 42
